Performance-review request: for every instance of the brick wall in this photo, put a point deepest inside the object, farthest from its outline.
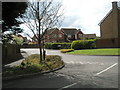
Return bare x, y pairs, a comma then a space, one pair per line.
110, 27
10, 53
108, 43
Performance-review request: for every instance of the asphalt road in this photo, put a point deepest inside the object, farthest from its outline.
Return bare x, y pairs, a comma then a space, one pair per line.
80, 71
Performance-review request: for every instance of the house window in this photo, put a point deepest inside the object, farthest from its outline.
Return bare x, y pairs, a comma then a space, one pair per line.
69, 36
80, 35
53, 35
76, 36
60, 35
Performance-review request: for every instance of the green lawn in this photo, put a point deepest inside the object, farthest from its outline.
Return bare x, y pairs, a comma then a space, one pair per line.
112, 51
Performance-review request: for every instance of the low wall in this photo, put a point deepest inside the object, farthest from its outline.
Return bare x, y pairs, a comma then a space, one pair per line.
108, 43
30, 46
10, 53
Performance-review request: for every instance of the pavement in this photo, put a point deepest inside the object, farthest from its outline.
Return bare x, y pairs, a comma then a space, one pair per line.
80, 71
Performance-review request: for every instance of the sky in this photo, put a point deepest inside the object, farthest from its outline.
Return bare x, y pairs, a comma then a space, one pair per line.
85, 14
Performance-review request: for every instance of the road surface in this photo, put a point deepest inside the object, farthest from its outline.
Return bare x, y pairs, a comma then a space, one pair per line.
80, 71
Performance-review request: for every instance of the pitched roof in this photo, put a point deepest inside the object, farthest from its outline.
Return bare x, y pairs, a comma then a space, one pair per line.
105, 17
70, 31
108, 15
51, 30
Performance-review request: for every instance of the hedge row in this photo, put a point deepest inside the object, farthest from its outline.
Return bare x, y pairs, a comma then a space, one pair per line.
83, 44
77, 45
58, 45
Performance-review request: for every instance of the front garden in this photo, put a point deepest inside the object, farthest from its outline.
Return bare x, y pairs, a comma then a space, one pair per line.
32, 65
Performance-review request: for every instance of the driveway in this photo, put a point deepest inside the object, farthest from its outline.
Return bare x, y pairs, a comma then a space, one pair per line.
80, 71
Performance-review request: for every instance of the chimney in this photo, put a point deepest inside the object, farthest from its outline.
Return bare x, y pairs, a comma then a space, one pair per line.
114, 5
115, 19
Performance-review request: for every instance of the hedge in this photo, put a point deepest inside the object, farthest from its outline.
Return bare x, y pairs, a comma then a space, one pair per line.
66, 50
83, 44
58, 45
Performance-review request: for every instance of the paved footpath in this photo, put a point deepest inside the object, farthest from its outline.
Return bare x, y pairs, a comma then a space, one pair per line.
80, 71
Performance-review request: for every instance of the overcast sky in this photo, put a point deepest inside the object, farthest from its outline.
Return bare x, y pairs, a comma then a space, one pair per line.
86, 14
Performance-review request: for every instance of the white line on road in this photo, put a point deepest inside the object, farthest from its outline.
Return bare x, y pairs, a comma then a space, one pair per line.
106, 69
68, 86
94, 75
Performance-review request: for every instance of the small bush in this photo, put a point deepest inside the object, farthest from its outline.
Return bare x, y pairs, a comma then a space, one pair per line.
83, 44
53, 58
66, 50
58, 45
34, 59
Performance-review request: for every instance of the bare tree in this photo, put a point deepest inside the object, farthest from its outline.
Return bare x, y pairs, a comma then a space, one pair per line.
40, 17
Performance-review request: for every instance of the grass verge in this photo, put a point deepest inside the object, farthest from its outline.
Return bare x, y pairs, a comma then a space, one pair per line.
31, 65
112, 51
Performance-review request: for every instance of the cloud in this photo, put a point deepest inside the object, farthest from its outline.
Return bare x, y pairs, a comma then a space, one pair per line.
86, 14
14, 0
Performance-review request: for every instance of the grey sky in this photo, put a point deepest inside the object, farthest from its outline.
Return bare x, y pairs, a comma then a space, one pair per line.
86, 14
83, 14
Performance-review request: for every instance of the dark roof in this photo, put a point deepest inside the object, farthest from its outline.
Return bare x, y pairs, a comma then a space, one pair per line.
51, 30
70, 31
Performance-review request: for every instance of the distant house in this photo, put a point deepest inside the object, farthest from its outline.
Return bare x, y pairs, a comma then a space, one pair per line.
110, 28
54, 35
51, 35
89, 36
64, 35
71, 34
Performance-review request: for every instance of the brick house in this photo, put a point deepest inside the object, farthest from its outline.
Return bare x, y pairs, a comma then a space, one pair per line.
65, 35
110, 28
71, 34
89, 36
54, 35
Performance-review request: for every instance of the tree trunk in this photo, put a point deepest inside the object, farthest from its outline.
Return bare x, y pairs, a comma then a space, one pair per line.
39, 39
40, 50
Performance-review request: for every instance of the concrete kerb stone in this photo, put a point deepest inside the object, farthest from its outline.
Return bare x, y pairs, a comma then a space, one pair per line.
90, 55
28, 75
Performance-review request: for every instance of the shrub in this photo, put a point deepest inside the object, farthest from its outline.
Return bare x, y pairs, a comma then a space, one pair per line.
66, 50
31, 65
53, 58
34, 59
58, 45
83, 44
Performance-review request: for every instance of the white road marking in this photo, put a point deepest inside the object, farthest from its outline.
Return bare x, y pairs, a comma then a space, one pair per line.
68, 86
67, 77
94, 75
80, 63
72, 62
106, 69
